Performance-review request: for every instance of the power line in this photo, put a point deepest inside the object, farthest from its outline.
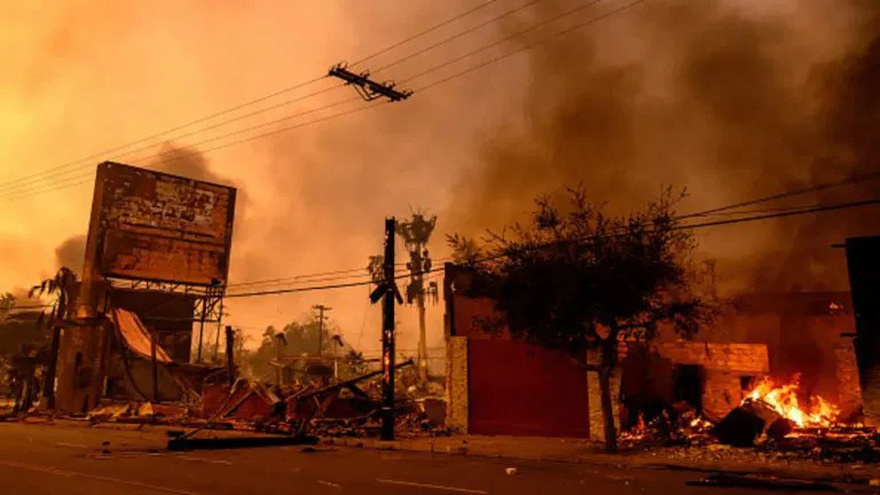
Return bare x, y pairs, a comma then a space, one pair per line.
247, 115
271, 133
715, 223
217, 125
459, 35
302, 279
53, 170
852, 180
15, 194
424, 32
301, 289
45, 188
175, 156
563, 15
162, 133
749, 212
781, 214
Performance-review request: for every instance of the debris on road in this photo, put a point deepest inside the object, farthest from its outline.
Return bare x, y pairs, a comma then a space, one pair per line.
761, 482
181, 444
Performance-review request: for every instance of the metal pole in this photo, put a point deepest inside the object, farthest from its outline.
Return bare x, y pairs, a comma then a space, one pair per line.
321, 309
387, 432
320, 331
202, 324
230, 354
279, 369
217, 336
155, 367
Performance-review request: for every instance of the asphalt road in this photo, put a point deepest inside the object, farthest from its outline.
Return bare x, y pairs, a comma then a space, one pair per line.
64, 459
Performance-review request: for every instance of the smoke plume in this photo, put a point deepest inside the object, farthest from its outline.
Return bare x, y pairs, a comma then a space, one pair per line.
706, 95
71, 253
733, 99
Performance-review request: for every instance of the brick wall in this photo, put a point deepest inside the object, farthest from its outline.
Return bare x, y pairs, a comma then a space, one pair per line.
745, 358
722, 392
723, 366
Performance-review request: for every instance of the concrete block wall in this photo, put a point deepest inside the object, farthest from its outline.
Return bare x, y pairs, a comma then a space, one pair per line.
597, 422
849, 397
457, 383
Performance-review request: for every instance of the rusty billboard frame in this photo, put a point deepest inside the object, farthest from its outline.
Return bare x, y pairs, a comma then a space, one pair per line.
166, 233
153, 226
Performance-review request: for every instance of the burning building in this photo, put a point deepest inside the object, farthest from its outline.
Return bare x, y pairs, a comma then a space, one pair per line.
791, 350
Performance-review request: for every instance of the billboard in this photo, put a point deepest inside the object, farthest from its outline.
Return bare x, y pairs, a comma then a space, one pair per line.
147, 225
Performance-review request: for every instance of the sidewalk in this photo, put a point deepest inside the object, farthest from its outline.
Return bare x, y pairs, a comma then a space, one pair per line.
703, 459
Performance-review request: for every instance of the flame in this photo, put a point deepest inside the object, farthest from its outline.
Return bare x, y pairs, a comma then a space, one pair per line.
637, 433
640, 426
783, 398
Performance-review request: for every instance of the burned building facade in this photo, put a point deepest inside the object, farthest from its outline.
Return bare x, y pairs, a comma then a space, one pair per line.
497, 385
158, 247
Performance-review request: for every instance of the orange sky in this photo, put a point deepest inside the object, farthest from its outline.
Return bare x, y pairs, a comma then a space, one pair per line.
85, 76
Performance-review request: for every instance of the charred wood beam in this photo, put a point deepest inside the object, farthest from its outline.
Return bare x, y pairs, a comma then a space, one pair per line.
348, 383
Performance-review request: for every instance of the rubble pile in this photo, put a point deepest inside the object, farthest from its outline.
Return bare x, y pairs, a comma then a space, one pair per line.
670, 428
413, 419
768, 424
347, 408
835, 444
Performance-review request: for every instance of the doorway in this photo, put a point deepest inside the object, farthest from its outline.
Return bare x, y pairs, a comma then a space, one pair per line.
688, 381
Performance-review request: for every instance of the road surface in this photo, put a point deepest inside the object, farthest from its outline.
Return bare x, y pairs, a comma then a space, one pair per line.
63, 459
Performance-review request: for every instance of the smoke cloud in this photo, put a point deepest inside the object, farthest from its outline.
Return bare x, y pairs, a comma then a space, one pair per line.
732, 99
712, 96
71, 253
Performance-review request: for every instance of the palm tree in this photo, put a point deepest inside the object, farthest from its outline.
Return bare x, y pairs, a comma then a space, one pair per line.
61, 285
7, 301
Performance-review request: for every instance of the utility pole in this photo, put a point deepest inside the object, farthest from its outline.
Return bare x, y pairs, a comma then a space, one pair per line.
321, 309
230, 355
280, 344
416, 234
366, 87
388, 292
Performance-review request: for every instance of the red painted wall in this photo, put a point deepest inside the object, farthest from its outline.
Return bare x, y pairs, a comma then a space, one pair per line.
520, 389
514, 388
